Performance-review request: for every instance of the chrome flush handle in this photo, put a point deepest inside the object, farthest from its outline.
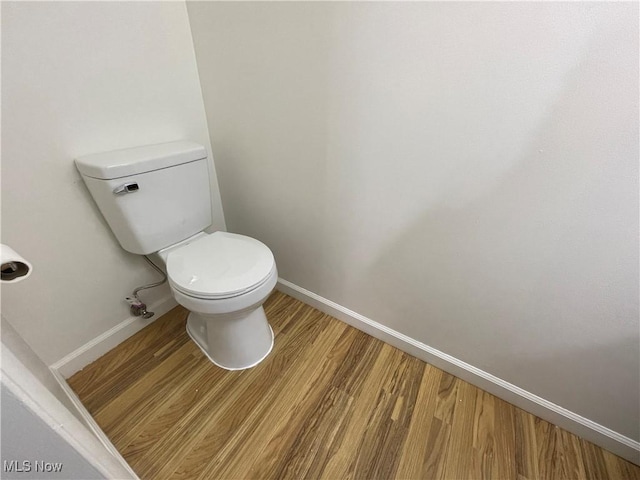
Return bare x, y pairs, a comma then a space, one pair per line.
126, 188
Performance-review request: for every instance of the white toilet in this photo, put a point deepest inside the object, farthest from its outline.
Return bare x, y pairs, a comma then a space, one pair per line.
156, 199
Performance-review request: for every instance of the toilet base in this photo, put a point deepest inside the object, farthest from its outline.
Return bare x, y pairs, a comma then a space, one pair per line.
234, 341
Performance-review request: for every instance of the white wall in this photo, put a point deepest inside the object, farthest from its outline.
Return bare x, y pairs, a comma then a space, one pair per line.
13, 344
59, 432
80, 78
26, 438
464, 173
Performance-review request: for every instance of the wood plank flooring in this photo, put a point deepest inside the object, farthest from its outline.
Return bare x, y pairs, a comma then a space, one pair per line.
329, 402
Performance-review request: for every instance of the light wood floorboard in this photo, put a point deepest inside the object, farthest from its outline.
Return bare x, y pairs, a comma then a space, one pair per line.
329, 402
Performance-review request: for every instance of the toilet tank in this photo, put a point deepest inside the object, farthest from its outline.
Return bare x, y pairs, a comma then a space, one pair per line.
151, 196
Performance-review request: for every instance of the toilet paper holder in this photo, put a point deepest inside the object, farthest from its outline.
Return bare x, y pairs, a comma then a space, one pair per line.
13, 268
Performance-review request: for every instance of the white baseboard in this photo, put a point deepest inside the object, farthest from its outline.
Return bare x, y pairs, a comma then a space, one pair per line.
583, 427
91, 351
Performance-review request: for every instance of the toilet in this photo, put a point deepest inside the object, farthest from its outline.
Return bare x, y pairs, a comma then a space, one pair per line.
157, 202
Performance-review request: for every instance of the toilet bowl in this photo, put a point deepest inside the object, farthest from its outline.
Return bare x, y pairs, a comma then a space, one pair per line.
223, 279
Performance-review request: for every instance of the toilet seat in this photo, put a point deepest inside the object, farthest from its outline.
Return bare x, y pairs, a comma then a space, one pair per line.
219, 265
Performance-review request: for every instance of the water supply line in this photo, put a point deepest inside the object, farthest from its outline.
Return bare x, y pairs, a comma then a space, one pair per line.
137, 307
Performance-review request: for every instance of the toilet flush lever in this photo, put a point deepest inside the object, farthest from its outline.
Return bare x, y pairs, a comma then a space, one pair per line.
126, 188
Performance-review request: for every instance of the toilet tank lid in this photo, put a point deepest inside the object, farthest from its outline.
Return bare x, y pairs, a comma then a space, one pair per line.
132, 161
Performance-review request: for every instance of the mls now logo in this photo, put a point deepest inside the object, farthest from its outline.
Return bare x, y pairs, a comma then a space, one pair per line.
28, 466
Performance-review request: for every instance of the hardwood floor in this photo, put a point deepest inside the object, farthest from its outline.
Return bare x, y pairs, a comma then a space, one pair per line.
329, 402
